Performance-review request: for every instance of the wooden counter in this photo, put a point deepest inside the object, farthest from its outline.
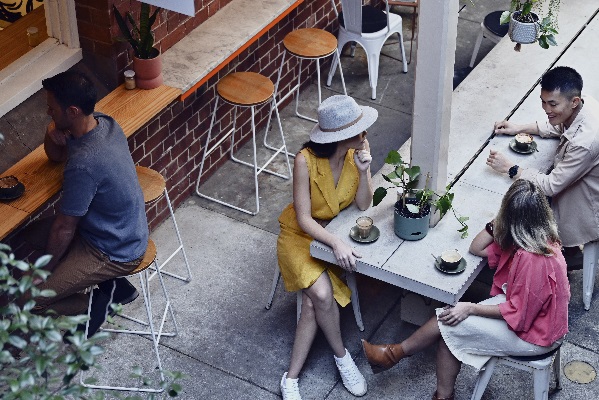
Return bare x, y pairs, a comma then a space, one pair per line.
43, 178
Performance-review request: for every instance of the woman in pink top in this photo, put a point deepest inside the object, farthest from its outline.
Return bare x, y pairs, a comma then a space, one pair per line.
528, 313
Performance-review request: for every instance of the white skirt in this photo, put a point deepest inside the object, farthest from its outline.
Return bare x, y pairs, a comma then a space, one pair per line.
476, 339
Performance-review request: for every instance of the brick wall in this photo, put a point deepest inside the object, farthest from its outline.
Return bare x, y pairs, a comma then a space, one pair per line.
173, 141
99, 34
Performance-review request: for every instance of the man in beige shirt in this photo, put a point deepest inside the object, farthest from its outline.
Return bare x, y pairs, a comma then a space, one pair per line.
573, 183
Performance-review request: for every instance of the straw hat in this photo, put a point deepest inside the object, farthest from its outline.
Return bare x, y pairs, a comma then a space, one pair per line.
340, 118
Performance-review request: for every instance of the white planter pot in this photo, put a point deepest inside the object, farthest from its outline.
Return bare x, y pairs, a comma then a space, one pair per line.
524, 32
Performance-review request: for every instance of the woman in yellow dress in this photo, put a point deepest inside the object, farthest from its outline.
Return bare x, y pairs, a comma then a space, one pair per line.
330, 172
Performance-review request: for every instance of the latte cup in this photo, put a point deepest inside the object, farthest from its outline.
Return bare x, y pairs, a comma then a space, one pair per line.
523, 141
364, 225
450, 259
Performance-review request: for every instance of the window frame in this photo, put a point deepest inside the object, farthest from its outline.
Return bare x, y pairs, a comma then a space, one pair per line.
59, 52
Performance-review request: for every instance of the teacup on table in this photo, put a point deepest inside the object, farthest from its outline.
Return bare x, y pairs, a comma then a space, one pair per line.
523, 141
450, 259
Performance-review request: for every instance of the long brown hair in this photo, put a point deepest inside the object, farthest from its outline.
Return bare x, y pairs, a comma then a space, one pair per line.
525, 220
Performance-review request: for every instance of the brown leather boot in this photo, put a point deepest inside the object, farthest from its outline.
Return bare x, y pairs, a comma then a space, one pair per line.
444, 398
383, 356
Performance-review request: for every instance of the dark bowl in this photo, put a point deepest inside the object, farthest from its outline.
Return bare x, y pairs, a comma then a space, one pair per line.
10, 187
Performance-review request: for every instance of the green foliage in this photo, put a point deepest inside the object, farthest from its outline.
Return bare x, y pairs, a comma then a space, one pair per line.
140, 37
524, 12
41, 355
406, 178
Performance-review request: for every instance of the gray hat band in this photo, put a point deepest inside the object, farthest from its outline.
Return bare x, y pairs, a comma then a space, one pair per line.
340, 128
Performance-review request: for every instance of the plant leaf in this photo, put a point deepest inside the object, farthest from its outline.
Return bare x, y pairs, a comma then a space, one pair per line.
551, 40
379, 195
505, 17
393, 158
413, 172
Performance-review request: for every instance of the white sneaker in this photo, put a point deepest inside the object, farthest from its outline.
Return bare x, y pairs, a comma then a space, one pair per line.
353, 380
289, 388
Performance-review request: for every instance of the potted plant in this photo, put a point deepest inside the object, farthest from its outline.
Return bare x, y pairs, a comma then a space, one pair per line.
147, 63
413, 207
527, 26
41, 355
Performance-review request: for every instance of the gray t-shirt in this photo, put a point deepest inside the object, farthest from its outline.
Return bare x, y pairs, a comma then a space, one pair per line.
101, 186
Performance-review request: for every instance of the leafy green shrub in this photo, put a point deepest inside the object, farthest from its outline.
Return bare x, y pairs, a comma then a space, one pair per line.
36, 361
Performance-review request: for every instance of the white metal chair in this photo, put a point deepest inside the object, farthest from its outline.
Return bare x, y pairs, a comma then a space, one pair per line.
150, 330
245, 90
590, 256
491, 29
351, 282
540, 366
370, 28
153, 187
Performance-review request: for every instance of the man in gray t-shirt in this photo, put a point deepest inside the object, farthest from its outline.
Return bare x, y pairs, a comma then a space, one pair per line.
100, 229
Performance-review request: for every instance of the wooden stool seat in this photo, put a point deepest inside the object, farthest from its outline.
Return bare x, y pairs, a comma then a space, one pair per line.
148, 259
152, 183
310, 43
245, 89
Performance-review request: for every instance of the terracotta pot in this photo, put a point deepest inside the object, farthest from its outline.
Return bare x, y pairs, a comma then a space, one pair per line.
524, 32
148, 72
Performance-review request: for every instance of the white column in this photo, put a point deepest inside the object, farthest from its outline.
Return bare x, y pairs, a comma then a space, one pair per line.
437, 31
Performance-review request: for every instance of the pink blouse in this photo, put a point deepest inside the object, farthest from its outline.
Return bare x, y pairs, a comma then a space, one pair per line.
537, 294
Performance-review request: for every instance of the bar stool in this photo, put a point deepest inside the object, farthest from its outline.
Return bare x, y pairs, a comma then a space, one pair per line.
351, 283
153, 187
408, 3
246, 90
141, 271
492, 30
306, 44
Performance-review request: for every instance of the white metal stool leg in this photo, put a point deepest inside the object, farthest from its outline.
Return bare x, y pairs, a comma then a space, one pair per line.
275, 283
254, 165
589, 267
180, 248
152, 332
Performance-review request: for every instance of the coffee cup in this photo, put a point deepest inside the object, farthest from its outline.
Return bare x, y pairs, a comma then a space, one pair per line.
364, 225
450, 259
523, 141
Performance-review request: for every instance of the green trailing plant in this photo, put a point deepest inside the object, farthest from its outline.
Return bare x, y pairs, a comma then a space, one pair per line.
139, 36
524, 11
406, 178
41, 355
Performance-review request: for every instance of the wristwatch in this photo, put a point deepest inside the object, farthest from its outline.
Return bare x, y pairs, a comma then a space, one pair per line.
513, 171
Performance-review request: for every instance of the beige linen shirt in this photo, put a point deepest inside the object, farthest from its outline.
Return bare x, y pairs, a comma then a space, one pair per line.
573, 183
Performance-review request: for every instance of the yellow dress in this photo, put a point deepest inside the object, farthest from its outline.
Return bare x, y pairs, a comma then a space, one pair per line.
298, 268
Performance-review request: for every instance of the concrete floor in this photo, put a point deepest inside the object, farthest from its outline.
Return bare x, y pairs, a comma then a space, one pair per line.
231, 347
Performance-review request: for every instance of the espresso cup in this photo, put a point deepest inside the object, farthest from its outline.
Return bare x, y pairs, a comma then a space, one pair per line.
523, 141
450, 259
364, 225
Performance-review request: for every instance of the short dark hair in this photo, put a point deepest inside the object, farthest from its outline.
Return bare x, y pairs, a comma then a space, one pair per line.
72, 88
564, 79
321, 150
525, 220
